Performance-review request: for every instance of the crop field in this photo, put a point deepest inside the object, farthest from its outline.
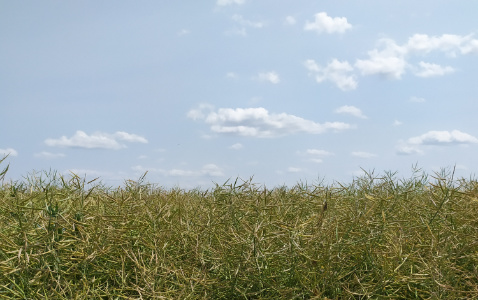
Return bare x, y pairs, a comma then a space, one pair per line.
379, 237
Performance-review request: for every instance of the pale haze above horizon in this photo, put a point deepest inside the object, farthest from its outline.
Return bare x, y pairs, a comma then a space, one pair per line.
199, 92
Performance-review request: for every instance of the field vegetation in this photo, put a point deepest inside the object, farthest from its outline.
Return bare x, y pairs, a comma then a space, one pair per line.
378, 237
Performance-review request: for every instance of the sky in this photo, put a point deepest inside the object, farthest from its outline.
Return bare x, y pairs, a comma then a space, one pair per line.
199, 92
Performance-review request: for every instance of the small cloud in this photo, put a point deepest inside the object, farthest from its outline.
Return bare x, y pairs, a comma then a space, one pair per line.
432, 70
271, 77
294, 170
248, 23
315, 155
417, 99
397, 123
318, 152
290, 20
49, 155
231, 75
96, 140
206, 170
324, 23
363, 154
408, 150
229, 2
443, 138
8, 151
336, 71
351, 110
236, 146
183, 32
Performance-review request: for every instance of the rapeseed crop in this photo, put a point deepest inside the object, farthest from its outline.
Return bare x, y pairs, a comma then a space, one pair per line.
377, 237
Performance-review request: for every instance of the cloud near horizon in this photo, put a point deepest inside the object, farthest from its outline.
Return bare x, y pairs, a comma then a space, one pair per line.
259, 123
97, 140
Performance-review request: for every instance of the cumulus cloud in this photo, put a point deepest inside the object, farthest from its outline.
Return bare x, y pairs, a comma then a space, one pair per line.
8, 151
363, 154
229, 2
259, 123
390, 59
443, 138
98, 140
324, 23
271, 77
431, 70
336, 71
351, 110
448, 43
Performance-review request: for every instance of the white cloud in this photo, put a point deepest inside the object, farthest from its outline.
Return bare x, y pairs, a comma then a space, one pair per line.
290, 20
49, 155
448, 43
389, 61
229, 2
294, 170
8, 151
417, 99
443, 138
363, 154
96, 140
231, 75
236, 146
244, 22
351, 110
271, 77
408, 150
318, 152
430, 70
324, 23
183, 32
397, 123
258, 122
315, 155
336, 71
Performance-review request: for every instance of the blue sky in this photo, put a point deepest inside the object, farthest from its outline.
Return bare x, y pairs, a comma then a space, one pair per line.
196, 92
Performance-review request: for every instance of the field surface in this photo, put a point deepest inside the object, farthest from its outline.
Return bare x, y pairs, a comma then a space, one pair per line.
377, 237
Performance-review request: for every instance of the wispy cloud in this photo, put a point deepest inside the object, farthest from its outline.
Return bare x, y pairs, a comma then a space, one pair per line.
290, 20
98, 140
351, 110
236, 146
259, 123
49, 155
417, 99
8, 151
206, 170
316, 155
271, 77
325, 24
362, 154
229, 2
336, 71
